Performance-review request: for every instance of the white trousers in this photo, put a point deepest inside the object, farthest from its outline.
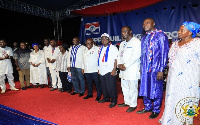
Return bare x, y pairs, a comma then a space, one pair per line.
130, 92
10, 80
55, 78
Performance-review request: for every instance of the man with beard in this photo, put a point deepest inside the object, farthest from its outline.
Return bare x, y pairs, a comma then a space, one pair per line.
22, 56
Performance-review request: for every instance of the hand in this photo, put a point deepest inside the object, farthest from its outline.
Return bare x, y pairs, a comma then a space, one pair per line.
36, 65
68, 68
49, 61
82, 71
122, 67
160, 76
53, 60
113, 73
7, 56
17, 68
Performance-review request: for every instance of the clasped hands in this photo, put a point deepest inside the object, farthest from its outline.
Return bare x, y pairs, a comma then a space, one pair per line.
35, 65
122, 67
51, 61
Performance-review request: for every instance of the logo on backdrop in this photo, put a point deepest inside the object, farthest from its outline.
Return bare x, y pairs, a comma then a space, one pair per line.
92, 28
186, 109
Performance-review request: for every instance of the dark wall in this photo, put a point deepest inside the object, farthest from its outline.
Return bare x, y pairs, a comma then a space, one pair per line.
21, 27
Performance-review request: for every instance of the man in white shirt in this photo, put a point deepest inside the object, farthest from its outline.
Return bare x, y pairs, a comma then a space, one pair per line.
47, 49
129, 65
54, 51
90, 70
6, 67
107, 61
75, 65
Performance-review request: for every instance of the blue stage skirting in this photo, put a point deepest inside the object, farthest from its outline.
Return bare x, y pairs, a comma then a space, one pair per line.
9, 116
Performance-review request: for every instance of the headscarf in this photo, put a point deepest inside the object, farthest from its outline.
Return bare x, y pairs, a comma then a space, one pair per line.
34, 44
192, 27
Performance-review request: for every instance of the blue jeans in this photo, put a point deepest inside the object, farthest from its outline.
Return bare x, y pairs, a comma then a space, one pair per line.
89, 79
77, 77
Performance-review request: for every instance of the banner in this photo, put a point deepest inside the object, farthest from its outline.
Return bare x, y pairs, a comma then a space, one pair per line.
168, 16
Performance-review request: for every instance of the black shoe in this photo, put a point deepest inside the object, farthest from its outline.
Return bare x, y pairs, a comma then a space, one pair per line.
29, 87
69, 91
122, 105
59, 89
74, 93
102, 101
143, 111
112, 105
97, 98
23, 88
81, 94
50, 86
88, 96
52, 89
131, 109
42, 86
153, 115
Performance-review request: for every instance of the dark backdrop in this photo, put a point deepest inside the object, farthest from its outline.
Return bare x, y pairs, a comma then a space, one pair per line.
21, 27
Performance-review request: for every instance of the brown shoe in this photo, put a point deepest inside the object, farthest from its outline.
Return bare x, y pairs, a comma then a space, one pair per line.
131, 109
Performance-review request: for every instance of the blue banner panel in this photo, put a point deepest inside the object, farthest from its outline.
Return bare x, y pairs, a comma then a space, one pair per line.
168, 16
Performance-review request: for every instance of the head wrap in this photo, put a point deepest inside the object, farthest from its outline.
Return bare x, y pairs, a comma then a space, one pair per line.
192, 27
34, 44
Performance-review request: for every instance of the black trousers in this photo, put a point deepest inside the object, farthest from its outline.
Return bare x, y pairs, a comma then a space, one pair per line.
109, 87
66, 85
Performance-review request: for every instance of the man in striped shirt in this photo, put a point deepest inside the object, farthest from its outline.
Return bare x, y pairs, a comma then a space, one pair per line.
75, 65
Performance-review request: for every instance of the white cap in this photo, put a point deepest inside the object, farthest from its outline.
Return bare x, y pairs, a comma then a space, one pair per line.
105, 34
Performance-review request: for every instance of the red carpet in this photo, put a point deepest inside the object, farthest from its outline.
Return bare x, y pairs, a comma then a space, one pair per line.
65, 109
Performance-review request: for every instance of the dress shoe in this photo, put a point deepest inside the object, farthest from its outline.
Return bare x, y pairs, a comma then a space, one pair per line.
23, 88
131, 109
97, 98
122, 105
112, 105
153, 115
88, 96
50, 86
143, 111
14, 89
102, 101
69, 91
59, 89
81, 94
42, 86
74, 93
3, 91
52, 89
29, 87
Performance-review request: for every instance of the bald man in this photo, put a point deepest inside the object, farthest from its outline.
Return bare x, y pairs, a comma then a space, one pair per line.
154, 58
90, 70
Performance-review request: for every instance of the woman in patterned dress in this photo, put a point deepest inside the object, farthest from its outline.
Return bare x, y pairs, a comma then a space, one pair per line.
182, 93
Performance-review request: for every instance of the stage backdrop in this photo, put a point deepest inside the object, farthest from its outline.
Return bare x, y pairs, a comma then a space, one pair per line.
168, 15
